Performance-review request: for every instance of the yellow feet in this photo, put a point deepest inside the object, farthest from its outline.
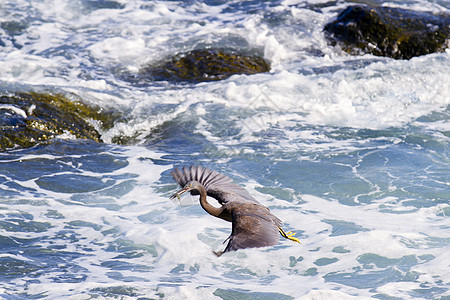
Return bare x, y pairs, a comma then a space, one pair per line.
289, 235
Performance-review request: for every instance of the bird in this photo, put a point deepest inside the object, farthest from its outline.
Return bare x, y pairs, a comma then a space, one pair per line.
253, 225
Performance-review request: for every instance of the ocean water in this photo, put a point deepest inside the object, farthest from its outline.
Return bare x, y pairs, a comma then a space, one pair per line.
350, 152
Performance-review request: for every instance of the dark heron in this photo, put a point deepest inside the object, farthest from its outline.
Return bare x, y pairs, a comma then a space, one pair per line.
253, 225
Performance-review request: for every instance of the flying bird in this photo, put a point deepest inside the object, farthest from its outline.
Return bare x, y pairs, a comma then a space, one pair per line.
253, 225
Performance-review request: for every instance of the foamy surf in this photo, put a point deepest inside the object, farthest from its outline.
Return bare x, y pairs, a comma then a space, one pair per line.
351, 152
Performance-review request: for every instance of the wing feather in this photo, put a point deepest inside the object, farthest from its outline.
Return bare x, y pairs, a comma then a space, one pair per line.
252, 226
217, 185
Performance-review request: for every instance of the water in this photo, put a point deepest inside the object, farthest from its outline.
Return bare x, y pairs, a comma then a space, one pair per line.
351, 152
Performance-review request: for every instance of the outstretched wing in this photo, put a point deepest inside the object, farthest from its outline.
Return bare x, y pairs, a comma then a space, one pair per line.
217, 185
253, 226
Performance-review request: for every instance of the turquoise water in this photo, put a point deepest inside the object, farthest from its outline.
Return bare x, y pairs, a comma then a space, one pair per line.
351, 152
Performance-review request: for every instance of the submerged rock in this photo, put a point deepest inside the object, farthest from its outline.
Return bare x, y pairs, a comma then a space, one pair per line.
391, 32
29, 118
204, 65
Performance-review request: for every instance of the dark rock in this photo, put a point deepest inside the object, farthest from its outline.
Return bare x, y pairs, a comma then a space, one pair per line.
391, 32
204, 65
30, 118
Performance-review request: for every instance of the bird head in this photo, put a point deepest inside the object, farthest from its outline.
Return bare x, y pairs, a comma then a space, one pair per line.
190, 186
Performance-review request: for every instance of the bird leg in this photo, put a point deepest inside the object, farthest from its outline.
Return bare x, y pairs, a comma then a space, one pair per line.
289, 235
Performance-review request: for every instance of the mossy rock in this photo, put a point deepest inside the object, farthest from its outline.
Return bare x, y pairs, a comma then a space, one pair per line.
30, 118
391, 32
204, 65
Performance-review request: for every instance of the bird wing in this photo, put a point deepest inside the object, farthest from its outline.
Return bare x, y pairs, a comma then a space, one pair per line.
252, 226
217, 185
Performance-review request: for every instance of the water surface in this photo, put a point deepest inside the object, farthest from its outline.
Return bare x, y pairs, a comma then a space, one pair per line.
351, 152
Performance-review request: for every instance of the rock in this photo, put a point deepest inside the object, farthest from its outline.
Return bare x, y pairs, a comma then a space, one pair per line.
30, 118
391, 32
204, 65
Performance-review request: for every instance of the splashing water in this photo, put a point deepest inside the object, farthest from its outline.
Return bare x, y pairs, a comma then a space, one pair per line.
351, 152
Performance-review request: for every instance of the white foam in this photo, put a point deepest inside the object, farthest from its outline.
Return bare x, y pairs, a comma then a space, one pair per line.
14, 109
185, 237
311, 86
385, 94
118, 47
325, 295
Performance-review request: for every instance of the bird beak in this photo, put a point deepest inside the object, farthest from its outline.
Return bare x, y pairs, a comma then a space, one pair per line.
180, 192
